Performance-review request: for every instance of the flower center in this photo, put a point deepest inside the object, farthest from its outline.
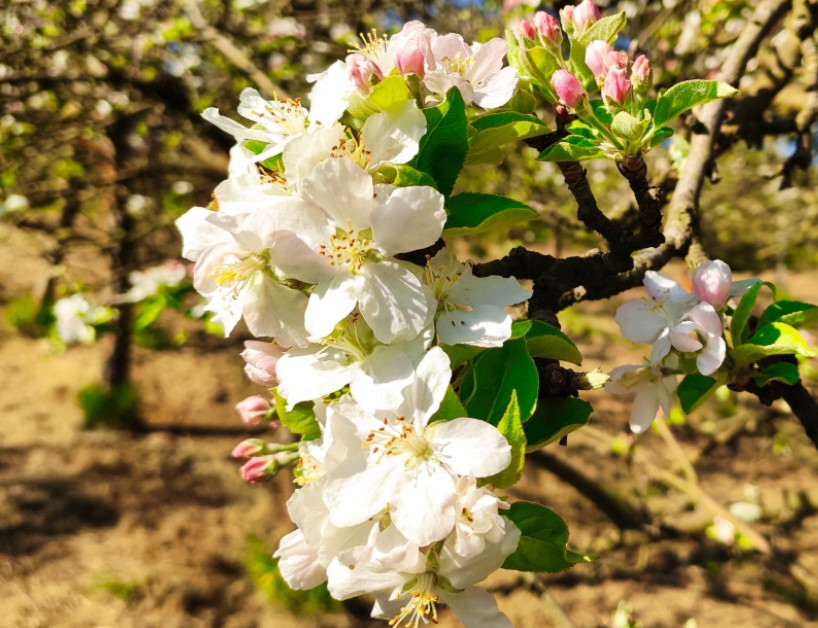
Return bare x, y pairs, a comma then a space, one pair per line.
373, 45
347, 248
423, 605
354, 149
237, 271
399, 439
460, 64
286, 117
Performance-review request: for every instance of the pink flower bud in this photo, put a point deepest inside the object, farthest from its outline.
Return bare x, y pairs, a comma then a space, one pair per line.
616, 86
363, 71
253, 409
525, 31
261, 358
568, 88
595, 55
616, 59
410, 55
712, 282
248, 448
257, 469
641, 68
581, 16
547, 26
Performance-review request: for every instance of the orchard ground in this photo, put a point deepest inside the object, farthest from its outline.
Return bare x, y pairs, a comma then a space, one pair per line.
103, 528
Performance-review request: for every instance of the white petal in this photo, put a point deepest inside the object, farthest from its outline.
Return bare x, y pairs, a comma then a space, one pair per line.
330, 94
354, 496
476, 608
497, 90
394, 135
239, 131
198, 233
298, 563
331, 302
492, 290
423, 507
454, 443
380, 378
645, 407
424, 396
662, 288
661, 347
485, 326
272, 309
312, 375
709, 360
639, 322
394, 302
343, 190
411, 218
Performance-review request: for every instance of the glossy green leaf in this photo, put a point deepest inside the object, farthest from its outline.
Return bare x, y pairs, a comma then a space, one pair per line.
511, 427
794, 313
498, 373
572, 148
498, 129
471, 212
543, 544
772, 339
554, 418
443, 148
606, 29
660, 135
694, 390
739, 330
686, 95
546, 341
779, 372
388, 93
460, 353
300, 420
450, 407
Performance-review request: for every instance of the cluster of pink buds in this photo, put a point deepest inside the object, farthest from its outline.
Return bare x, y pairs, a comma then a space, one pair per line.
610, 69
576, 19
543, 29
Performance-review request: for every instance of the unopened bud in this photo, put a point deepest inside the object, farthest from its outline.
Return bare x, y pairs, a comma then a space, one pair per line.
248, 448
525, 31
575, 19
363, 71
410, 53
569, 90
547, 26
253, 409
261, 358
258, 468
616, 86
641, 75
595, 57
712, 281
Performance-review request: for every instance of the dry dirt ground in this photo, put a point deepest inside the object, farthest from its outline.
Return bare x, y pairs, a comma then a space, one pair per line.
101, 528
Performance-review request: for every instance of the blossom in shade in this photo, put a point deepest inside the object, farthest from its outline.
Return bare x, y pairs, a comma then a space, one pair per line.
712, 281
653, 389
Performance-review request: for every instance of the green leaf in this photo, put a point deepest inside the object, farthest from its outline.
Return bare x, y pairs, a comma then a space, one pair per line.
627, 127
471, 212
402, 175
606, 29
521, 328
739, 331
460, 353
498, 373
793, 313
498, 129
300, 420
148, 313
780, 372
686, 95
546, 341
694, 390
511, 427
443, 148
450, 407
554, 418
388, 93
572, 148
542, 546
772, 339
660, 135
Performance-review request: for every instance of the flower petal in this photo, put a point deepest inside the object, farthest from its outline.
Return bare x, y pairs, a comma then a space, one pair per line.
454, 443
331, 302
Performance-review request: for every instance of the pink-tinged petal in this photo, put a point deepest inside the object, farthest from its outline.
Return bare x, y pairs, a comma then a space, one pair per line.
394, 302
343, 190
492, 290
298, 563
378, 381
706, 318
198, 233
712, 281
485, 326
312, 375
411, 218
639, 322
488, 59
454, 443
423, 508
330, 303
682, 338
424, 396
497, 90
645, 407
709, 360
476, 608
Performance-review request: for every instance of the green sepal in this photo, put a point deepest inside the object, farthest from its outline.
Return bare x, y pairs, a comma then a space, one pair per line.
511, 427
442, 151
544, 539
779, 372
686, 95
471, 212
546, 341
554, 418
498, 373
300, 420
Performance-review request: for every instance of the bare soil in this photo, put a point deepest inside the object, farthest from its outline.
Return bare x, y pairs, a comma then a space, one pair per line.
103, 528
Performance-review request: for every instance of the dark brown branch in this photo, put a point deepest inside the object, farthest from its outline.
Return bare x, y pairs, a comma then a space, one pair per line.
648, 199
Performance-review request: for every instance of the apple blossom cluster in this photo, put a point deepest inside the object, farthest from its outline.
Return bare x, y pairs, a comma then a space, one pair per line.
306, 241
687, 333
